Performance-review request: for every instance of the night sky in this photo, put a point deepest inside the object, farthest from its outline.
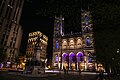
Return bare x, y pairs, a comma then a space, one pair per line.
31, 21
38, 15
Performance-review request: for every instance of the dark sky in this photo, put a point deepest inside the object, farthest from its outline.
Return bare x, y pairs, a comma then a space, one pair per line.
30, 22
38, 15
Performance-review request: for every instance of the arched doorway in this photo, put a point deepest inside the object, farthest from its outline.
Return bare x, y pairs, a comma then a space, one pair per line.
80, 61
64, 60
72, 61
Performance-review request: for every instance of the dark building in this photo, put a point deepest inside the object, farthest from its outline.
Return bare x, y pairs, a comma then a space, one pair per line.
10, 29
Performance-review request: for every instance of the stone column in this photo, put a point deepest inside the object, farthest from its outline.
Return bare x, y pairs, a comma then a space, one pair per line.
85, 62
77, 65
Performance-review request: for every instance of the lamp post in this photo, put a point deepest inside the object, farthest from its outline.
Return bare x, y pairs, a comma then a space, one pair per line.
117, 60
45, 63
61, 56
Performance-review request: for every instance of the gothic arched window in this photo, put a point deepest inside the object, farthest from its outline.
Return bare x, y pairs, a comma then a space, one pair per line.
71, 43
89, 59
64, 44
56, 58
86, 18
57, 28
86, 29
79, 43
86, 23
56, 45
88, 41
57, 34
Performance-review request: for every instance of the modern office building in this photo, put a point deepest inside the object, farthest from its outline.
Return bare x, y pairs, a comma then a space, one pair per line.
10, 29
32, 39
74, 51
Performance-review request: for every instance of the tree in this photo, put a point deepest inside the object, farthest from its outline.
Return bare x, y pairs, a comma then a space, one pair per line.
106, 28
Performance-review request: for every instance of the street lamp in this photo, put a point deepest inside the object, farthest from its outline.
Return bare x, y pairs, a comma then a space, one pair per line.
118, 50
46, 63
117, 66
115, 61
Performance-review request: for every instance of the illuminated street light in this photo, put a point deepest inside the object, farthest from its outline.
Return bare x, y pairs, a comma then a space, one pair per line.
118, 50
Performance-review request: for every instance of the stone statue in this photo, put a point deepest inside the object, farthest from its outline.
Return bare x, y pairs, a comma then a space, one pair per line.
36, 65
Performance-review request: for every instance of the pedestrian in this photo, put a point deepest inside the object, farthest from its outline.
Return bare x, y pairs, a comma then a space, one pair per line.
79, 71
100, 76
108, 75
64, 70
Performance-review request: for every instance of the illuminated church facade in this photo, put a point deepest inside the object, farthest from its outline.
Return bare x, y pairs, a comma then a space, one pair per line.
74, 51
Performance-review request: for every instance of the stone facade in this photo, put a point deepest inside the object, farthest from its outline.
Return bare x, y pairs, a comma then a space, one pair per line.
74, 51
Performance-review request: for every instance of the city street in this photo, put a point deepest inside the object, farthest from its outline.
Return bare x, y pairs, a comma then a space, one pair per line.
7, 76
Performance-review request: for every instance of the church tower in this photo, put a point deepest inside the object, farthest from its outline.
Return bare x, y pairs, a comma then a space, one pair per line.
57, 40
88, 39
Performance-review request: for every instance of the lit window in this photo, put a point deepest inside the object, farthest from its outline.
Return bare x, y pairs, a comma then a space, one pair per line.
71, 44
86, 18
57, 28
33, 43
79, 42
56, 58
57, 34
86, 23
56, 46
64, 44
86, 29
89, 59
88, 41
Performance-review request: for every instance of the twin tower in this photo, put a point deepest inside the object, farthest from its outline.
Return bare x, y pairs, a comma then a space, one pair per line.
74, 51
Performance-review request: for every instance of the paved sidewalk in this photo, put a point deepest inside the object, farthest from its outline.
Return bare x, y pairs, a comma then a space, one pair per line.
50, 76
32, 75
13, 76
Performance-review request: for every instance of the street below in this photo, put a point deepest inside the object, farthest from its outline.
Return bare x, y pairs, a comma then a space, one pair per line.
5, 75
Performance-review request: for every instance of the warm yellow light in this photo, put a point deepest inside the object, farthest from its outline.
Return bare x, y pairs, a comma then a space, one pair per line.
23, 64
100, 65
82, 64
44, 37
25, 60
49, 67
30, 34
71, 41
73, 64
64, 41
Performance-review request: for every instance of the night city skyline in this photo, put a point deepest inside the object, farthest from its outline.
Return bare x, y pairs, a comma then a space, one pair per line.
60, 39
